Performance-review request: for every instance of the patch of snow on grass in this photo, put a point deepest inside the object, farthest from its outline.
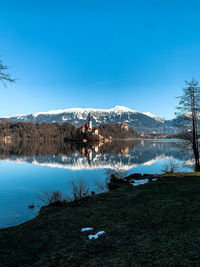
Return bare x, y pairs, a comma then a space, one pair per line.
86, 229
140, 182
96, 236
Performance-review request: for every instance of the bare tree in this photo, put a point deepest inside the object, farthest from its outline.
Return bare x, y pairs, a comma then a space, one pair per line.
102, 186
170, 166
80, 189
4, 75
55, 197
188, 116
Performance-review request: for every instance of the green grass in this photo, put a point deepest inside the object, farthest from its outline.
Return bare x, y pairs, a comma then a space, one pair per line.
157, 224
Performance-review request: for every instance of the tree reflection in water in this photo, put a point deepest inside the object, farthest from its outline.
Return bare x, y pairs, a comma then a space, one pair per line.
116, 154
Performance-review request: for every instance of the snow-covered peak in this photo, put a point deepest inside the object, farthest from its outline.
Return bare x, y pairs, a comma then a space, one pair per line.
79, 111
17, 116
77, 116
60, 111
122, 109
149, 114
117, 109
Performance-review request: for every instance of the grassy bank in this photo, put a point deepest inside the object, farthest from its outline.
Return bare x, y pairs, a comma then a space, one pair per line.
156, 224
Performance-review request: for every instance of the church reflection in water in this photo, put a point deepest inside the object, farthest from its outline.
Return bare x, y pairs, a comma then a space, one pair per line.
75, 155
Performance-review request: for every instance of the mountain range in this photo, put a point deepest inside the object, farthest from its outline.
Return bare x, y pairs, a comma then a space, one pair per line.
142, 122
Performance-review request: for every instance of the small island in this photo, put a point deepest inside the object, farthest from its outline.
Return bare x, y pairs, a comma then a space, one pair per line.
105, 132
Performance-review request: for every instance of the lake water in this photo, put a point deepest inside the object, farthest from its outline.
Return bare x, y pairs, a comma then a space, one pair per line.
28, 169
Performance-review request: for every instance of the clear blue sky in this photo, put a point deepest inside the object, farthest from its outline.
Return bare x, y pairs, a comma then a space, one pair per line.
98, 53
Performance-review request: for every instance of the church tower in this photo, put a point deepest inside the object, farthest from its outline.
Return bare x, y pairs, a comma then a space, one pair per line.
90, 123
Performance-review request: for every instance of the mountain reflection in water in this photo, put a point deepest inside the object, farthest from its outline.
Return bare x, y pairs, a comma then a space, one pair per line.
75, 156
20, 184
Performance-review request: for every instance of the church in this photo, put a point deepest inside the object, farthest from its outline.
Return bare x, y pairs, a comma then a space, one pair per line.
87, 128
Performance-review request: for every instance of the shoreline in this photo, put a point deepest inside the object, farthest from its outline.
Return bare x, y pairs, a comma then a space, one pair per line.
152, 224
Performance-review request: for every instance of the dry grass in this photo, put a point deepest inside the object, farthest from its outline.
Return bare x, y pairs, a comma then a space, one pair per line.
156, 224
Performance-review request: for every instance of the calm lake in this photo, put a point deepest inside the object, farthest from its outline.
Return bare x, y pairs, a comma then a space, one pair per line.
28, 169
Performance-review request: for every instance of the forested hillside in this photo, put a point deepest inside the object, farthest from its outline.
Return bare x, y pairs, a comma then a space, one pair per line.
30, 130
38, 130
117, 131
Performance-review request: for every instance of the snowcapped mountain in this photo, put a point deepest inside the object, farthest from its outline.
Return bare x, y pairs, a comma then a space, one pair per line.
154, 116
141, 122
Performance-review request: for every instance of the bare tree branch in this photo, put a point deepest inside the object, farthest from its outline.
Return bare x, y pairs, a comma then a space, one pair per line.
4, 75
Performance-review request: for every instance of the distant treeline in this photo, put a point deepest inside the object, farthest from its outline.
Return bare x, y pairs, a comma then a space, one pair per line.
117, 132
29, 130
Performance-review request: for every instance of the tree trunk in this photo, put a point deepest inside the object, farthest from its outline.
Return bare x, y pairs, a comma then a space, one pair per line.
195, 144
